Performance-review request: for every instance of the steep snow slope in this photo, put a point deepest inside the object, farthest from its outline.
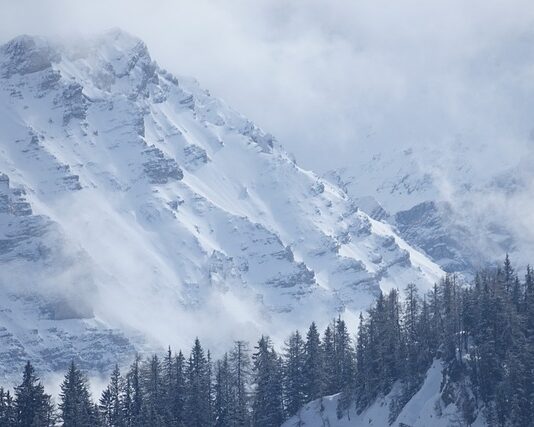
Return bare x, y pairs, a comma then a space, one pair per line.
425, 408
137, 211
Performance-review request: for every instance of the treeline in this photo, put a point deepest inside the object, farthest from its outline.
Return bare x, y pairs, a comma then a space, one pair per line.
483, 333
246, 387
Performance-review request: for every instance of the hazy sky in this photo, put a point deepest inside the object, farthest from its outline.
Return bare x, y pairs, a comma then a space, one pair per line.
330, 77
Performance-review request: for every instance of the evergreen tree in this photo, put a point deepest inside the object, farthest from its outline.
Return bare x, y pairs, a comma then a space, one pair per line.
240, 372
152, 391
268, 407
112, 409
508, 275
179, 393
210, 388
412, 368
330, 362
3, 407
75, 406
529, 302
293, 376
198, 397
313, 377
8, 415
133, 408
360, 392
223, 393
427, 346
32, 406
106, 407
436, 318
393, 351
169, 388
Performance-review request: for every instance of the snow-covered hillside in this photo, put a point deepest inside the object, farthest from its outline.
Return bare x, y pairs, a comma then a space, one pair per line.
425, 408
136, 210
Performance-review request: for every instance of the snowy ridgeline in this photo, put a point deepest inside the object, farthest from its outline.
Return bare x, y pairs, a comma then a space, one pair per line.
129, 197
426, 408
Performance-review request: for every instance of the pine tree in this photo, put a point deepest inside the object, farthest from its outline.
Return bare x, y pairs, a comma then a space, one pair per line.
508, 275
529, 302
169, 388
210, 388
152, 389
76, 407
393, 351
330, 362
179, 392
240, 372
133, 408
106, 407
127, 405
116, 387
345, 365
198, 398
359, 387
412, 337
223, 393
427, 346
293, 375
268, 407
111, 406
8, 415
313, 365
3, 407
32, 406
436, 318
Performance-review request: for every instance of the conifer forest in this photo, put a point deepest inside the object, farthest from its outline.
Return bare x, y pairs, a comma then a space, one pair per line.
482, 331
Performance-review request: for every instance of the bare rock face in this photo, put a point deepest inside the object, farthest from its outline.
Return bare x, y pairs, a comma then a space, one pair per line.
160, 169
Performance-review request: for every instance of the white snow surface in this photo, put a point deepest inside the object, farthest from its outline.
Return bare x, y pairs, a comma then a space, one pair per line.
138, 211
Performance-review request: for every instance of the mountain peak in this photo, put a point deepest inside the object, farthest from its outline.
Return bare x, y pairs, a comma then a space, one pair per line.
117, 41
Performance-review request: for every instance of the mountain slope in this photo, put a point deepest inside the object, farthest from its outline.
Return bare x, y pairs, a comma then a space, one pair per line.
137, 207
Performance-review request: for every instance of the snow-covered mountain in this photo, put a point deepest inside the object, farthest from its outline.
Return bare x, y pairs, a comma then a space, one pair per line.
136, 210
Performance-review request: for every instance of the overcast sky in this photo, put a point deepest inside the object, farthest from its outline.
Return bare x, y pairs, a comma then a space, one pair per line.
330, 77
